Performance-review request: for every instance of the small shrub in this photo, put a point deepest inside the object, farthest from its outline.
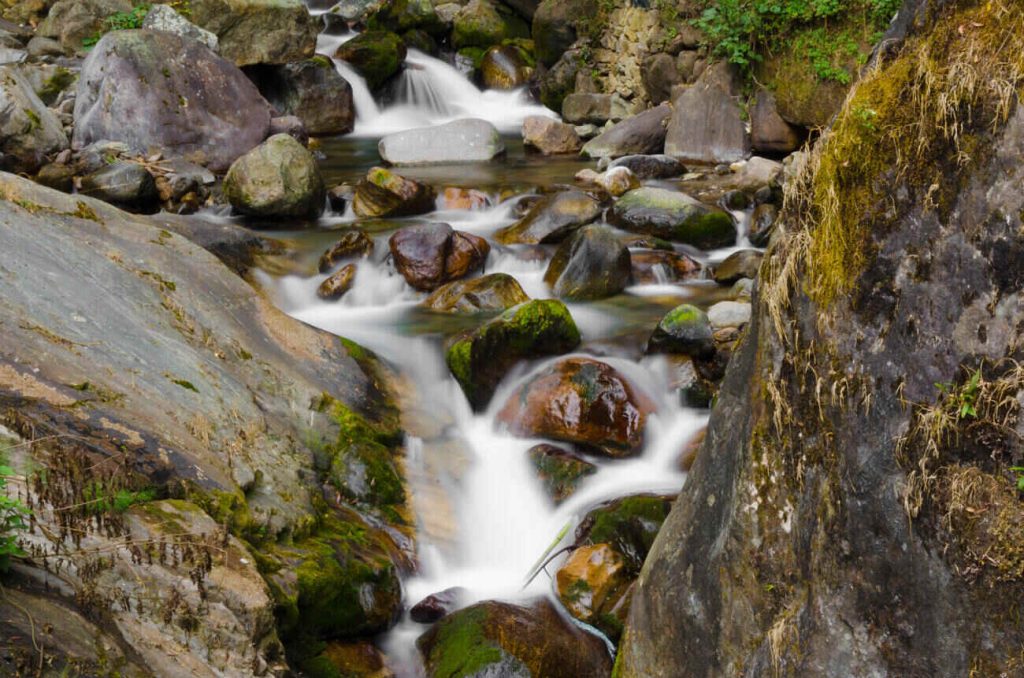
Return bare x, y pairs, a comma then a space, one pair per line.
120, 21
12, 520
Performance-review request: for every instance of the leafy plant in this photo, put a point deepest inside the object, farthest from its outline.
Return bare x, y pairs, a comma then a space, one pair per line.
1019, 470
120, 21
12, 520
964, 400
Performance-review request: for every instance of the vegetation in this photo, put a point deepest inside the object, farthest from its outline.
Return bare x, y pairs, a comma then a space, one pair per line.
12, 520
120, 21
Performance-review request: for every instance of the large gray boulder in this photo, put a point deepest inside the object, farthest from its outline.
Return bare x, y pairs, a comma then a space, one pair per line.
312, 90
468, 140
640, 134
157, 91
707, 126
29, 131
259, 31
278, 179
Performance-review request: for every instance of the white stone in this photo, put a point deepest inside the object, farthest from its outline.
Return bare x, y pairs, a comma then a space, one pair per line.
729, 314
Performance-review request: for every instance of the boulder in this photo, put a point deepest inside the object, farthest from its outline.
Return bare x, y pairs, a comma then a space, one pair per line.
493, 292
762, 224
554, 26
707, 126
503, 639
559, 80
580, 401
552, 219
337, 284
650, 166
479, 359
352, 243
615, 182
593, 585
742, 264
686, 330
591, 264
159, 91
311, 90
73, 21
504, 67
560, 472
729, 314
758, 172
29, 131
674, 216
50, 81
659, 75
399, 16
640, 134
278, 179
382, 193
377, 55
657, 267
57, 176
550, 136
430, 255
459, 141
482, 23
165, 18
347, 658
258, 31
628, 524
597, 109
769, 133
437, 605
126, 184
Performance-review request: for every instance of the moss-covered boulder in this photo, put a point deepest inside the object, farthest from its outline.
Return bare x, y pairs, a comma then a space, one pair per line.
505, 67
560, 472
581, 401
258, 31
674, 216
483, 23
629, 525
382, 193
337, 284
591, 264
480, 358
493, 292
685, 330
399, 16
501, 639
278, 179
377, 55
552, 218
594, 585
346, 659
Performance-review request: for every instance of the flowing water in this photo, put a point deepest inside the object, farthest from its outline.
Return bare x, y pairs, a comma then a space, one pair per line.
483, 519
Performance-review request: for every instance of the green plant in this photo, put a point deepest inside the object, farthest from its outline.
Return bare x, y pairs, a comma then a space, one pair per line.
1019, 471
119, 21
964, 400
12, 520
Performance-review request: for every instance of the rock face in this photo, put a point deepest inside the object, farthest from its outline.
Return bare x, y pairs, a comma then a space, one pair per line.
706, 126
494, 292
312, 91
377, 55
592, 264
429, 255
278, 179
480, 359
158, 91
856, 496
468, 140
258, 31
29, 131
386, 194
641, 134
549, 136
673, 216
501, 639
581, 401
552, 219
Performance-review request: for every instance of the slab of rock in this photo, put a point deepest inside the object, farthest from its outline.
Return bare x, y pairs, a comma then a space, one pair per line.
164, 18
460, 141
598, 109
312, 90
769, 133
29, 131
278, 179
640, 134
126, 184
591, 264
494, 292
157, 91
258, 31
707, 126
430, 255
382, 193
552, 218
674, 216
550, 136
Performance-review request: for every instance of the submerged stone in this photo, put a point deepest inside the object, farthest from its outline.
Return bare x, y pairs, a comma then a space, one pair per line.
494, 292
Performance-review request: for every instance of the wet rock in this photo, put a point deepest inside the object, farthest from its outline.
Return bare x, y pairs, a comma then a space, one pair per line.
352, 243
706, 126
363, 470
429, 255
659, 75
312, 90
629, 525
72, 21
437, 605
456, 198
154, 90
735, 200
382, 193
650, 166
581, 401
348, 658
339, 282
655, 267
552, 219
673, 216
685, 329
615, 182
57, 176
277, 179
482, 23
769, 133
591, 264
742, 264
480, 359
762, 224
729, 314
400, 16
559, 80
593, 108
554, 27
503, 67
494, 292
126, 184
164, 18
593, 585
377, 55
258, 31
560, 472
550, 136
501, 639
29, 131
466, 140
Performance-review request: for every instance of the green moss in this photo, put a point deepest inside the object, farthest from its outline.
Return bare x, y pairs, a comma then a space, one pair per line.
629, 524
61, 79
684, 314
461, 648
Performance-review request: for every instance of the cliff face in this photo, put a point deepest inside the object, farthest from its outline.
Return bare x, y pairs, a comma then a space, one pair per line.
853, 511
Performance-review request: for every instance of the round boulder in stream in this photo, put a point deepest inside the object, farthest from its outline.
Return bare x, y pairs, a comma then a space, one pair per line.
674, 216
494, 292
504, 67
592, 264
552, 218
628, 524
560, 472
382, 193
377, 55
686, 330
429, 255
459, 141
594, 585
480, 358
581, 401
495, 638
277, 179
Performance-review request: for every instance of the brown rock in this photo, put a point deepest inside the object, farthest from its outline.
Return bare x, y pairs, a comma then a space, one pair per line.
592, 583
429, 255
653, 267
386, 194
494, 292
337, 284
353, 243
437, 605
456, 198
552, 219
503, 67
550, 136
769, 133
466, 253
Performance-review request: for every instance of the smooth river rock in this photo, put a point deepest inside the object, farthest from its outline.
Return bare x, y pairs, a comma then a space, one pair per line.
460, 141
552, 218
591, 264
638, 135
674, 216
278, 179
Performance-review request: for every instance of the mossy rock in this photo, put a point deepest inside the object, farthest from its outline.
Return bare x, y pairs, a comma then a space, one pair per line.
278, 179
482, 23
365, 473
552, 218
493, 292
560, 472
377, 55
557, 23
479, 359
686, 330
674, 216
399, 16
629, 524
